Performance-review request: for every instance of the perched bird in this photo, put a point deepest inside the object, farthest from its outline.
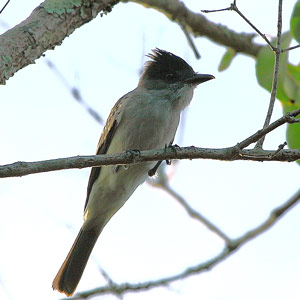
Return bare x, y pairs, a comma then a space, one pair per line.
144, 119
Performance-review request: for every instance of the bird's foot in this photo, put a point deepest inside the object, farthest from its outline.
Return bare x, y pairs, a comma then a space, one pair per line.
133, 153
174, 148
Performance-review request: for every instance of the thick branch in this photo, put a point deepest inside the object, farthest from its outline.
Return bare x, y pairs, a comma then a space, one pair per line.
78, 162
199, 25
45, 28
230, 153
52, 21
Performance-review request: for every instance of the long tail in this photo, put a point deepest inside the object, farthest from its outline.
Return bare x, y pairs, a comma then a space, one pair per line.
71, 270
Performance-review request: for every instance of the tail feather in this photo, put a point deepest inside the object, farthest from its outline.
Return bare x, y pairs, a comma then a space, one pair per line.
71, 270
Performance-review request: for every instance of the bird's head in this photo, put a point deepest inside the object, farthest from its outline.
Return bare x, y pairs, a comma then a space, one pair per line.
169, 77
166, 68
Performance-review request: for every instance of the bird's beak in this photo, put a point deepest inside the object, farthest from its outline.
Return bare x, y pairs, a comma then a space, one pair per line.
199, 78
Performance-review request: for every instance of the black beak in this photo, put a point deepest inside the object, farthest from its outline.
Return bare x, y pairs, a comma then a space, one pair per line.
199, 78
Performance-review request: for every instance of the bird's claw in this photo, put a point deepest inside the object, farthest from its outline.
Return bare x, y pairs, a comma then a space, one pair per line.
174, 148
133, 153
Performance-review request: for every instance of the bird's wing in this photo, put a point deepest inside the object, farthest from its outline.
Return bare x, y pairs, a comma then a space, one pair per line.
106, 137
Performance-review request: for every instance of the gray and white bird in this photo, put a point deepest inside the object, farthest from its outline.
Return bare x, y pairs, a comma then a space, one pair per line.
144, 119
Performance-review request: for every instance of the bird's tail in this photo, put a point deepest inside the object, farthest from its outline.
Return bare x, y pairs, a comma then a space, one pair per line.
71, 270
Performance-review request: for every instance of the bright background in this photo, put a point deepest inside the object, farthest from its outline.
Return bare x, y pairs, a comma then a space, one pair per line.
151, 236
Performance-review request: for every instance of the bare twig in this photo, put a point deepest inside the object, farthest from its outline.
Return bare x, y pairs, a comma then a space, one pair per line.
274, 217
106, 276
289, 49
75, 92
162, 181
191, 43
112, 285
192, 212
2, 9
280, 148
234, 7
206, 11
294, 120
275, 76
253, 138
229, 249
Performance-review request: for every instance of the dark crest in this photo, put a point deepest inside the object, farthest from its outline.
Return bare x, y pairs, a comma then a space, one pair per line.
167, 66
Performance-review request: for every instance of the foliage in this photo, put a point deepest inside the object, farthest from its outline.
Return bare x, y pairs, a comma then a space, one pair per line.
227, 59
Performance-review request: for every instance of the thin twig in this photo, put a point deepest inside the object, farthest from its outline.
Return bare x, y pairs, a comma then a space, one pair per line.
280, 148
290, 48
106, 276
194, 214
294, 120
162, 181
254, 137
2, 9
191, 43
206, 11
234, 7
275, 76
274, 217
113, 286
229, 249
75, 92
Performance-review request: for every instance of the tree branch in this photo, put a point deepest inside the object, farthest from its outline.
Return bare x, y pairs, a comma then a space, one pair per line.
231, 246
229, 154
45, 28
199, 25
22, 168
51, 22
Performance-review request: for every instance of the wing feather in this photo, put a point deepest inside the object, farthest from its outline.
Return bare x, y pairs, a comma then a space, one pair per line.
106, 137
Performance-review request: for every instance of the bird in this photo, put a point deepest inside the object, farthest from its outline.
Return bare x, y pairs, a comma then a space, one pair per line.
144, 119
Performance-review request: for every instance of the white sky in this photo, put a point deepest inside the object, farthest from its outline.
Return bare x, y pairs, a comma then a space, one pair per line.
151, 236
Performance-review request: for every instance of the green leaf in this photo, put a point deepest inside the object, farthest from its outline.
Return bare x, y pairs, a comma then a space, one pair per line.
295, 22
265, 67
293, 131
295, 72
226, 59
291, 84
293, 135
292, 88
